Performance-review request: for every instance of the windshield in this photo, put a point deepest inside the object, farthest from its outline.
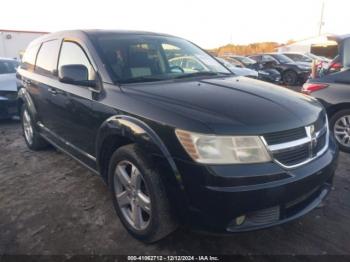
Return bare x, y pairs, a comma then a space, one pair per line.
145, 58
246, 60
299, 58
282, 59
8, 66
226, 63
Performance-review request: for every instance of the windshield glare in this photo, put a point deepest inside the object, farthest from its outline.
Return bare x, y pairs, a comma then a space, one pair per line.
140, 58
246, 60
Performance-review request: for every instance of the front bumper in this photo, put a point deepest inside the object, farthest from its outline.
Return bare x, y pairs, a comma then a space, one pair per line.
265, 194
8, 108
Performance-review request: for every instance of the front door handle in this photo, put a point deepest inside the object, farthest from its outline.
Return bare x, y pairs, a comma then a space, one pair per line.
53, 91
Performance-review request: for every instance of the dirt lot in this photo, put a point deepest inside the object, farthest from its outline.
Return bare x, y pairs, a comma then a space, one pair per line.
49, 204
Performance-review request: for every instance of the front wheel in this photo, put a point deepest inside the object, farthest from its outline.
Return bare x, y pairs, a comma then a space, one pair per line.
139, 195
290, 78
340, 125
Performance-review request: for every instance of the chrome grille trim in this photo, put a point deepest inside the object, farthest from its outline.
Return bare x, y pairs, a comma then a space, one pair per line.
308, 140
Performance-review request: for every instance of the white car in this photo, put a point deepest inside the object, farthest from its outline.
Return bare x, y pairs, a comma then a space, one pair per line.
240, 71
8, 88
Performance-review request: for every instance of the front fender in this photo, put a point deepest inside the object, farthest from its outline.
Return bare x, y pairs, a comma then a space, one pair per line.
24, 98
138, 132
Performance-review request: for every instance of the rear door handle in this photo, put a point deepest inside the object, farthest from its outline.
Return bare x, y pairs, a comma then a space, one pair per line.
53, 91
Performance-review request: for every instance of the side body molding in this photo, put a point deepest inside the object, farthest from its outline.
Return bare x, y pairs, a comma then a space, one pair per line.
138, 132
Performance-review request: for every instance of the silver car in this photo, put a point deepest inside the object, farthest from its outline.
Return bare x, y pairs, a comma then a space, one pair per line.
8, 88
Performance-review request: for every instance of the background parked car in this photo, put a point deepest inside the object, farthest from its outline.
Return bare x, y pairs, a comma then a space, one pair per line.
8, 88
292, 73
322, 63
189, 64
333, 90
239, 71
265, 73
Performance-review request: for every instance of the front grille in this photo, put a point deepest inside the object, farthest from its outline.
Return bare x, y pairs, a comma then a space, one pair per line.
300, 145
265, 216
293, 156
285, 136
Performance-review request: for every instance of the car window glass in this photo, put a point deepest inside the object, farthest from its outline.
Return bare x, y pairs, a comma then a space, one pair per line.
256, 58
267, 58
153, 58
8, 67
46, 61
28, 60
346, 53
73, 54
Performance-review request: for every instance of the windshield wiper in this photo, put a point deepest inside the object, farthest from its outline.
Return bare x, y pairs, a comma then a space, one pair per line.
208, 73
141, 79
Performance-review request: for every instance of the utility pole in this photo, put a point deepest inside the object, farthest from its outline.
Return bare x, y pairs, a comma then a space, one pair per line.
321, 20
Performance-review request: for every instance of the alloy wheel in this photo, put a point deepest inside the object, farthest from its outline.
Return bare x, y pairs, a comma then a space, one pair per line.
342, 130
27, 127
132, 195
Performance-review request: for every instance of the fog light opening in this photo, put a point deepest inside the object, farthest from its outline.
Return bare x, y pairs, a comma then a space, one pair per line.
240, 220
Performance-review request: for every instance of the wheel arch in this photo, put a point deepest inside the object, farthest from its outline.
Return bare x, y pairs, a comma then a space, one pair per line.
331, 110
120, 130
24, 98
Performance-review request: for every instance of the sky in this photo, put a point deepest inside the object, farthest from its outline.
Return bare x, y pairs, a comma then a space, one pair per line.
208, 23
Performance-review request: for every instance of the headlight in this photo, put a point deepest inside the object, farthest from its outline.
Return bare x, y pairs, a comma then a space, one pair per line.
211, 149
304, 68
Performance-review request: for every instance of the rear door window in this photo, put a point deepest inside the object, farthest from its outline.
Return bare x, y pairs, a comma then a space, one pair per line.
46, 62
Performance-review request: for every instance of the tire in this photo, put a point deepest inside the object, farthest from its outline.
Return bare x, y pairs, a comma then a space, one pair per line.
290, 78
154, 219
31, 136
340, 127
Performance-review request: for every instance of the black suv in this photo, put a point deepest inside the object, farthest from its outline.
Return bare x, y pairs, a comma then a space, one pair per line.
200, 147
333, 91
292, 73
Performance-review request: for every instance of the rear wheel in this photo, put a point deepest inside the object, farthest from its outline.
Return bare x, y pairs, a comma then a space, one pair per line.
33, 139
340, 125
290, 78
139, 196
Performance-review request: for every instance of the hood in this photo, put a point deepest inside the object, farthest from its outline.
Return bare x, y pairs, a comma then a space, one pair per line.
8, 82
231, 105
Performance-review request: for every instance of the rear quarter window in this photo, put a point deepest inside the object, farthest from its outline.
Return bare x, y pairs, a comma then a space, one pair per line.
28, 60
46, 61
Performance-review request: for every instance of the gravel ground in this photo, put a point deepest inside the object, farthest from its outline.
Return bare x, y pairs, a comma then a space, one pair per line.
49, 204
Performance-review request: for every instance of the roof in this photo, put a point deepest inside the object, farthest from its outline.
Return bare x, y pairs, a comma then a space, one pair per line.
120, 32
338, 38
23, 31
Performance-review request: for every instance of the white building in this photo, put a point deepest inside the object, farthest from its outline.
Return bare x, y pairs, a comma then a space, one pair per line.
319, 45
14, 43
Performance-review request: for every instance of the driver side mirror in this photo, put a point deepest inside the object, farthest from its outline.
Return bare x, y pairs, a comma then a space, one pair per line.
75, 75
